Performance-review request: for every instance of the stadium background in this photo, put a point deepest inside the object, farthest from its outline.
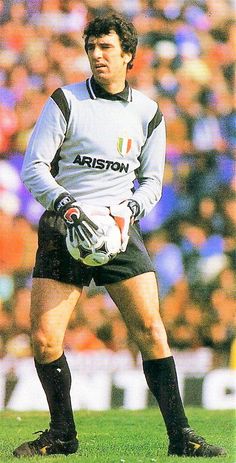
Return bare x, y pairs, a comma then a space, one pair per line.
185, 60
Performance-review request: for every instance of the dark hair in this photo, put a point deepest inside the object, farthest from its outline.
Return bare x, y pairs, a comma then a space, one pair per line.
103, 25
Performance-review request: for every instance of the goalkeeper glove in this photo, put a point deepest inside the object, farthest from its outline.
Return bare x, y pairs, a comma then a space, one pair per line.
124, 214
81, 228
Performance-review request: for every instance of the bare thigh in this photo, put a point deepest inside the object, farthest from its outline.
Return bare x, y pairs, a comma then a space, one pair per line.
138, 301
52, 304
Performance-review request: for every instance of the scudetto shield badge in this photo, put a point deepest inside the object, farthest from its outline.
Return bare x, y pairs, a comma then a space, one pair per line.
124, 145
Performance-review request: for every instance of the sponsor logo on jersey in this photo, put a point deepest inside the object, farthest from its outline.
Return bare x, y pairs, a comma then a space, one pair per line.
101, 164
124, 145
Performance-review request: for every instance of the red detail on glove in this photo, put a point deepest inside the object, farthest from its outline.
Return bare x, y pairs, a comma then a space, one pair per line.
68, 216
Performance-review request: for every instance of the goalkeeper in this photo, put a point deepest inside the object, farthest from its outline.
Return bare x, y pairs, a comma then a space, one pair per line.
92, 140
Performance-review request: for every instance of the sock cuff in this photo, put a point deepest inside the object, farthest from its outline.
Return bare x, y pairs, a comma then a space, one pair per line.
158, 364
56, 362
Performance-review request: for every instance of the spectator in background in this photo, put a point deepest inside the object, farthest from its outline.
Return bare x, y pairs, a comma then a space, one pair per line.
97, 325
167, 259
208, 213
8, 127
229, 211
219, 331
11, 244
163, 211
203, 253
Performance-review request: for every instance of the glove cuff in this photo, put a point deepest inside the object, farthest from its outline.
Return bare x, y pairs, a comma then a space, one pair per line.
134, 207
63, 202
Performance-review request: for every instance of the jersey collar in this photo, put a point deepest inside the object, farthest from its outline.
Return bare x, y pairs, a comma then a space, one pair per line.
96, 91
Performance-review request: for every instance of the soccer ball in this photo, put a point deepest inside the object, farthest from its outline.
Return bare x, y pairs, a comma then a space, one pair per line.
106, 248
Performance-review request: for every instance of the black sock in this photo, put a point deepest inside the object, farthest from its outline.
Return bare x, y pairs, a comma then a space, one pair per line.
162, 380
55, 378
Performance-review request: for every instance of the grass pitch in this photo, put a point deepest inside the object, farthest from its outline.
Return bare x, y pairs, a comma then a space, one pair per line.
119, 436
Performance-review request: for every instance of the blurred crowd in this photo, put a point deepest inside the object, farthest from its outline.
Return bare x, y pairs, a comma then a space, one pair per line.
185, 61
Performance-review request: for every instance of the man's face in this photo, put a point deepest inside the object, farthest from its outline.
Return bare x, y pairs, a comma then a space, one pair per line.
107, 59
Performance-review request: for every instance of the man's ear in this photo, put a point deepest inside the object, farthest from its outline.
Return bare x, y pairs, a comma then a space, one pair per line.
127, 57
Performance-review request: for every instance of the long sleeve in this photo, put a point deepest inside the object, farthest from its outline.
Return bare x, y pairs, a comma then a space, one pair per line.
151, 170
45, 141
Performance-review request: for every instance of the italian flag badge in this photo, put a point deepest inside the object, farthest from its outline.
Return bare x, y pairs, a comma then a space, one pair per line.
124, 145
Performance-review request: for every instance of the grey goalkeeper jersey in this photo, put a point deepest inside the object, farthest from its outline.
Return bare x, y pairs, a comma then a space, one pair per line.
94, 145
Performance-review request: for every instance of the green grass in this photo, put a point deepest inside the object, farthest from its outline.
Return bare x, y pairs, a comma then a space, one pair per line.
119, 436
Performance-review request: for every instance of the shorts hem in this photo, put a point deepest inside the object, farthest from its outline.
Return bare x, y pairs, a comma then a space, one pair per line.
123, 278
60, 280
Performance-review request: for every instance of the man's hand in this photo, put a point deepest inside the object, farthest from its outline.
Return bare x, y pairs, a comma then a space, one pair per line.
124, 214
81, 228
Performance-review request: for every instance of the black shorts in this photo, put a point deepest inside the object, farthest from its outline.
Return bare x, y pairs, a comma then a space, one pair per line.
54, 261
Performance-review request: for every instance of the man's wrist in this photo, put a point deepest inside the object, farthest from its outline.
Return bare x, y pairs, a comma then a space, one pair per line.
134, 207
63, 202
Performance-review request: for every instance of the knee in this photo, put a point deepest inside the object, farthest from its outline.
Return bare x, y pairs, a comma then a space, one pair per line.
46, 347
151, 332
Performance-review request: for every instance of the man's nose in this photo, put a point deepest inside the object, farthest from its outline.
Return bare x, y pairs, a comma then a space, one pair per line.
97, 52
